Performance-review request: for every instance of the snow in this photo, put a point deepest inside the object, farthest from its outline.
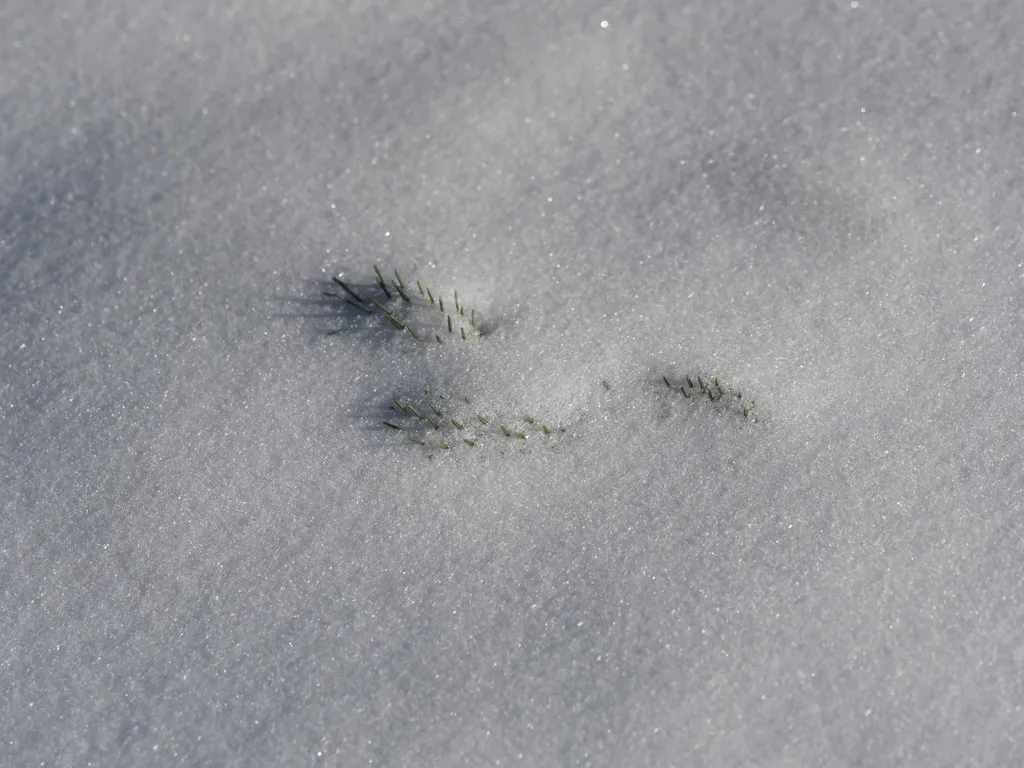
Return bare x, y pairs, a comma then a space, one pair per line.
214, 553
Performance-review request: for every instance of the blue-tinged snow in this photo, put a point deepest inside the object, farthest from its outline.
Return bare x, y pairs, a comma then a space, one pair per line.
213, 551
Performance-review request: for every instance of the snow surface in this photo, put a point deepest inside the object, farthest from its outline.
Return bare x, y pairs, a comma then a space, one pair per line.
213, 553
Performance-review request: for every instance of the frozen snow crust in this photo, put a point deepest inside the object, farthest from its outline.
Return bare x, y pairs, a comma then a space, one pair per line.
214, 552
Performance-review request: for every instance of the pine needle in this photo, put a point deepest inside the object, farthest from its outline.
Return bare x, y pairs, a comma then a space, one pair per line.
380, 281
382, 308
401, 291
346, 289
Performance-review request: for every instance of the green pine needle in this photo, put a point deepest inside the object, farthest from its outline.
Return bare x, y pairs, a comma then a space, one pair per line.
389, 424
380, 281
468, 442
458, 424
505, 430
415, 440
401, 291
346, 289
